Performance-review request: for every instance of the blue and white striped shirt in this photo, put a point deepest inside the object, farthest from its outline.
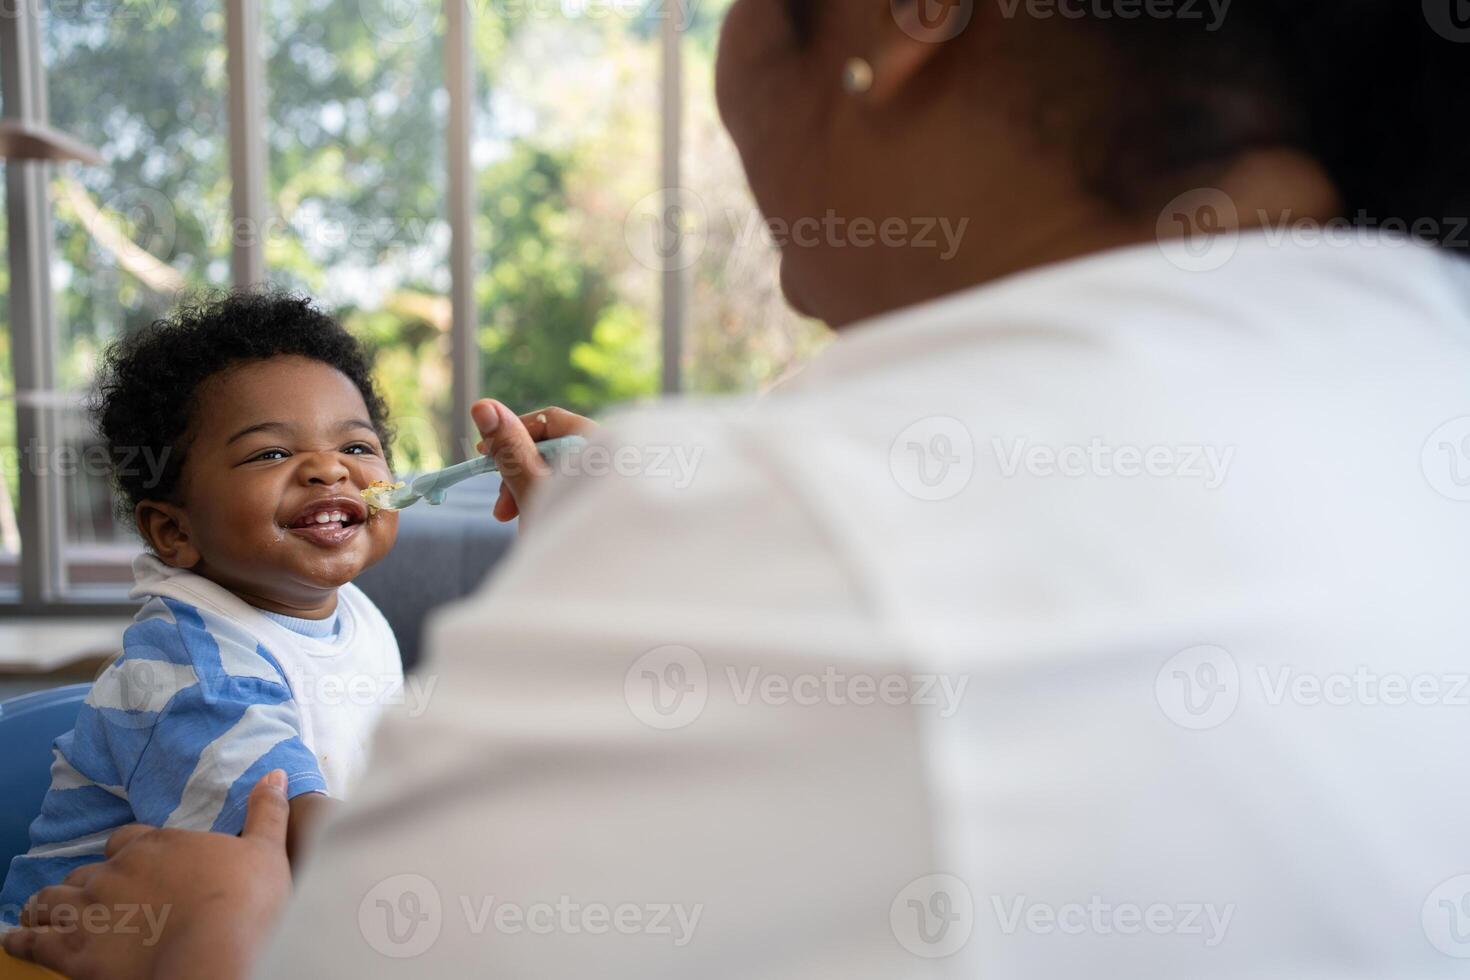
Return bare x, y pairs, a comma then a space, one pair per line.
175, 733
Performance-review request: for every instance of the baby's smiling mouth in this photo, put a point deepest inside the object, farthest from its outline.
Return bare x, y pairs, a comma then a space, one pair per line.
329, 520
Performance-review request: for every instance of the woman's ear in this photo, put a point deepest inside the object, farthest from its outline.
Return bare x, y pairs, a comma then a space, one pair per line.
919, 32
165, 529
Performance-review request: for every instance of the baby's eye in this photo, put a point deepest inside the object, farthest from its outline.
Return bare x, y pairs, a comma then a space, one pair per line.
359, 449
270, 454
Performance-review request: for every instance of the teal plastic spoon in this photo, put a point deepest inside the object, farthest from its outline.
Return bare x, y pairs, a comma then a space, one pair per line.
432, 486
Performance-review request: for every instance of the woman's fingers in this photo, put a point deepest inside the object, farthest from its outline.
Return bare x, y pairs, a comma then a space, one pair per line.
54, 902
125, 836
550, 423
556, 423
18, 942
505, 505
79, 877
21, 943
506, 438
61, 950
487, 420
512, 439
267, 814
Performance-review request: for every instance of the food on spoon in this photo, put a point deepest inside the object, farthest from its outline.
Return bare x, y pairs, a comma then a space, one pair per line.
376, 491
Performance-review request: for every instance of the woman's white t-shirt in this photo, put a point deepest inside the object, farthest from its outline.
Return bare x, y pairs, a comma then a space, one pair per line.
1108, 620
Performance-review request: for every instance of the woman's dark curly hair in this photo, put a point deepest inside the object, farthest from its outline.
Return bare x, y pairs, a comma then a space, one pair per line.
145, 396
1374, 90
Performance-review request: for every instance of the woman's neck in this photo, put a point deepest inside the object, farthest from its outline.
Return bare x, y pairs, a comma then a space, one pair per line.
1267, 188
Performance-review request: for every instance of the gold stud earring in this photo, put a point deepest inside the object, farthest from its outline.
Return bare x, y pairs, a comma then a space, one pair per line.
857, 76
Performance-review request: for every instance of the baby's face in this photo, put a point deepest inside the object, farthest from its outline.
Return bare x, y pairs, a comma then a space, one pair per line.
279, 454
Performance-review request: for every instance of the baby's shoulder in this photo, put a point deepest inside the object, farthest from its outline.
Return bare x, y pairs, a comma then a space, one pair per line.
167, 633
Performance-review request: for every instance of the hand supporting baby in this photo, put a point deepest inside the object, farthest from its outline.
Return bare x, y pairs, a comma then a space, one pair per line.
205, 898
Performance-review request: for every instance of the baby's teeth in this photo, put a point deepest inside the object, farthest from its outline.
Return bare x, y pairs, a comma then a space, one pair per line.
328, 516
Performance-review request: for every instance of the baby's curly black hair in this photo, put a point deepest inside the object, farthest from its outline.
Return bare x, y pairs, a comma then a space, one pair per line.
144, 400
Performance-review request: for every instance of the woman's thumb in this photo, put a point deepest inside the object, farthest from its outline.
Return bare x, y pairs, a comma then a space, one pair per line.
505, 438
267, 814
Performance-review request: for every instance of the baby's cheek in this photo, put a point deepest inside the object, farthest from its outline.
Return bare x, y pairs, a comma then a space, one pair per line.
382, 532
244, 526
374, 468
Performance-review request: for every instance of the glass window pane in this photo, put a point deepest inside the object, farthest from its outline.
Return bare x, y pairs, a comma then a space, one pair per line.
740, 334
145, 83
572, 224
566, 148
9, 451
356, 127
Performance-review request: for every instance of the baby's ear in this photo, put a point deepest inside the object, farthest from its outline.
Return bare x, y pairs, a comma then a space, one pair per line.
165, 528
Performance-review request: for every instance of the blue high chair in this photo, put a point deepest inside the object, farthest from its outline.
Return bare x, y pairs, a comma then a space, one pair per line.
28, 726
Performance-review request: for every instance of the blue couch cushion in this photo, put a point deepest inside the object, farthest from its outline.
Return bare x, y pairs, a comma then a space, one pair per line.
443, 553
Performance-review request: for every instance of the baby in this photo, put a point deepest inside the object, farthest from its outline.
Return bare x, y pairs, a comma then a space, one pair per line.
251, 634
